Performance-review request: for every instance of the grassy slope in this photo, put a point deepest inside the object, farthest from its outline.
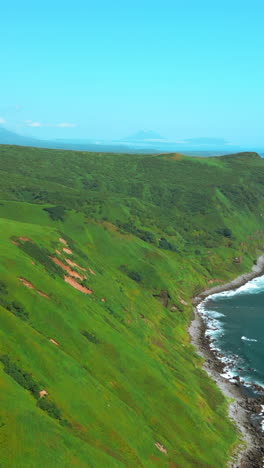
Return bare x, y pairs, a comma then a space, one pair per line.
137, 381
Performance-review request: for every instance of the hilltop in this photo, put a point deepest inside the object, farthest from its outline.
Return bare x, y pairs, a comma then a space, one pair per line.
101, 255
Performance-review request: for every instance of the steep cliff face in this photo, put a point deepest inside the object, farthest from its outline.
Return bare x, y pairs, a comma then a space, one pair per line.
100, 256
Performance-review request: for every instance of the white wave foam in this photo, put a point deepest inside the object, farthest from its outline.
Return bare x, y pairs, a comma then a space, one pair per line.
233, 364
228, 374
213, 314
254, 286
211, 318
262, 414
244, 338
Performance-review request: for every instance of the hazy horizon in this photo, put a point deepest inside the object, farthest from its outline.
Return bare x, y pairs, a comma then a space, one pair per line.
84, 71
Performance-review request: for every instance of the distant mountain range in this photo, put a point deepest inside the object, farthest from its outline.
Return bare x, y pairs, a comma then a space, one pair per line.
143, 141
11, 138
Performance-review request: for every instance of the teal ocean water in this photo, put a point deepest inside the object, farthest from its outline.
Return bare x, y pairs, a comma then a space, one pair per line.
235, 325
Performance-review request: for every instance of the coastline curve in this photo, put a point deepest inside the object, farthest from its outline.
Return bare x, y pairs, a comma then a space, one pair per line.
251, 453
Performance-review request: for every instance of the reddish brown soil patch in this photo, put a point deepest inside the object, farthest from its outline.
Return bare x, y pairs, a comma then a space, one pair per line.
161, 448
54, 342
58, 252
43, 393
25, 239
74, 264
77, 286
67, 251
42, 293
63, 241
103, 299
91, 271
26, 283
71, 272
14, 242
31, 286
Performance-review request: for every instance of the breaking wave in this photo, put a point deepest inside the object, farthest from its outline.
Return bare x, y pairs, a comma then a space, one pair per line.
254, 286
235, 365
244, 338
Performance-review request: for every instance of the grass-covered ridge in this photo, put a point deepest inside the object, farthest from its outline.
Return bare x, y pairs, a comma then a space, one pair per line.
139, 235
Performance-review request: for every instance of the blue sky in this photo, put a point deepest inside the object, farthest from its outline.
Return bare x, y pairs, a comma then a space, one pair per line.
106, 69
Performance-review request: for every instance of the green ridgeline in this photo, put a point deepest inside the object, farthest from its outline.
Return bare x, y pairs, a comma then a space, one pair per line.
144, 233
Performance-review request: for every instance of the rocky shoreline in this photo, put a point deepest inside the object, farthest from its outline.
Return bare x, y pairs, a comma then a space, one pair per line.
245, 408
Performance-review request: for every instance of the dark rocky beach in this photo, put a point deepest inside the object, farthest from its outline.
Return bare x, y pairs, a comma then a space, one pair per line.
246, 403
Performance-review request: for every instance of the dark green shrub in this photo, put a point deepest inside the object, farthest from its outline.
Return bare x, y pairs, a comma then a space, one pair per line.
134, 276
131, 274
3, 289
114, 314
90, 336
17, 310
56, 213
20, 376
226, 232
42, 256
46, 405
148, 237
166, 245
14, 307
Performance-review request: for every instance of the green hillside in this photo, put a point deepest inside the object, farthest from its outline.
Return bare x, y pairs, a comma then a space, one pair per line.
100, 257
